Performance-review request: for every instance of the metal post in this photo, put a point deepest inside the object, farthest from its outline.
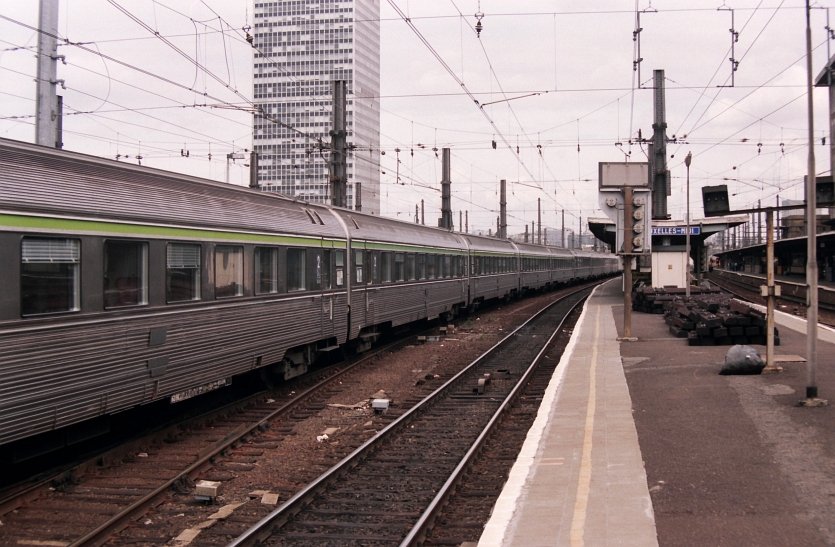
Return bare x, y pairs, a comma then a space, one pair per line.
358, 196
422, 214
253, 169
339, 155
769, 282
231, 157
539, 221
627, 263
59, 122
446, 196
46, 98
562, 232
811, 240
777, 221
503, 207
466, 222
759, 223
687, 161
660, 176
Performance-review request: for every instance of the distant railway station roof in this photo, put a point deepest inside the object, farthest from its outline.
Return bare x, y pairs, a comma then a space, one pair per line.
604, 229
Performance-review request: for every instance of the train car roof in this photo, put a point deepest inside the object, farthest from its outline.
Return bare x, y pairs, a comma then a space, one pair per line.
489, 244
593, 254
42, 180
543, 250
374, 228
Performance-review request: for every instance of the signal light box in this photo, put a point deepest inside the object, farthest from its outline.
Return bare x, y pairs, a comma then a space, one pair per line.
715, 200
615, 175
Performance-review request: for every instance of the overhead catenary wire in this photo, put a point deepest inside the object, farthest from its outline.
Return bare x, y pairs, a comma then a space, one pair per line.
592, 136
463, 86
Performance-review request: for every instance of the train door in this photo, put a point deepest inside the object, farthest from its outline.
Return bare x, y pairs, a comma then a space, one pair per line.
359, 282
324, 268
375, 281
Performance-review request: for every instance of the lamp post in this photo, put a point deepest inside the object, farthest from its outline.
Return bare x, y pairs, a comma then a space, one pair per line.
687, 161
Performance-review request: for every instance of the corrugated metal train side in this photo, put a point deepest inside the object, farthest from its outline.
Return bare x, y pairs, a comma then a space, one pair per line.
127, 285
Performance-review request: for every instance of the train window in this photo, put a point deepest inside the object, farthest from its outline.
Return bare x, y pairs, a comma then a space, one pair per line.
430, 266
182, 275
385, 266
49, 275
373, 273
358, 267
447, 266
323, 269
266, 270
420, 266
296, 269
339, 261
125, 273
399, 267
229, 271
410, 267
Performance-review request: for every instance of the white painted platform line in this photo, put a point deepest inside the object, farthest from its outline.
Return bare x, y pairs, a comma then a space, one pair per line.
797, 324
581, 501
580, 478
503, 511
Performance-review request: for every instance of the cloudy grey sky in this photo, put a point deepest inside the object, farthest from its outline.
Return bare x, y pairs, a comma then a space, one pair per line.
566, 66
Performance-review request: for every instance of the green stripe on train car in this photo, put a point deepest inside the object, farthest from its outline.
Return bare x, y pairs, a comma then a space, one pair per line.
403, 248
77, 226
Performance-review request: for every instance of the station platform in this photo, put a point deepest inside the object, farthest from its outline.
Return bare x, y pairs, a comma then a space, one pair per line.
644, 443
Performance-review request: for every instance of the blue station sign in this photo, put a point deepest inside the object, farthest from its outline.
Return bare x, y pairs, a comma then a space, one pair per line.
675, 230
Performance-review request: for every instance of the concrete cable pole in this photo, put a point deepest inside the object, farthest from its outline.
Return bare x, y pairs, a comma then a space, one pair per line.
445, 221
503, 208
46, 100
687, 161
811, 240
339, 146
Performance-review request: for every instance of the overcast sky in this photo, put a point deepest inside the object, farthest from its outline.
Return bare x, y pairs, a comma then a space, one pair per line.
566, 68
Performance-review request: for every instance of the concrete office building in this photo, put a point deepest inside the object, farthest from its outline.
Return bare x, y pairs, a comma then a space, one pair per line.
302, 46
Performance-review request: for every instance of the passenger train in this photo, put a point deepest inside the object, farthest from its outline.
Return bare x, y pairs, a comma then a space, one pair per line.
125, 285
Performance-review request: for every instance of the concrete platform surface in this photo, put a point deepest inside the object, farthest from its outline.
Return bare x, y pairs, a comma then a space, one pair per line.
644, 443
579, 478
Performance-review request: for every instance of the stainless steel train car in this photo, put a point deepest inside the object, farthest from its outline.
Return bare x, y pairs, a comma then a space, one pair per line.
124, 285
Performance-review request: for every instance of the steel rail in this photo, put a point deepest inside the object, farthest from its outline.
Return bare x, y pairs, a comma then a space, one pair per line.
418, 532
98, 535
261, 531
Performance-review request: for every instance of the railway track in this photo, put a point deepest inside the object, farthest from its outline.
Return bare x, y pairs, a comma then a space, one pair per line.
792, 299
147, 497
114, 490
391, 489
461, 520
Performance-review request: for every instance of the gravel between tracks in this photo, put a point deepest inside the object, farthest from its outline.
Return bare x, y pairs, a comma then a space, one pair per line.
282, 460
